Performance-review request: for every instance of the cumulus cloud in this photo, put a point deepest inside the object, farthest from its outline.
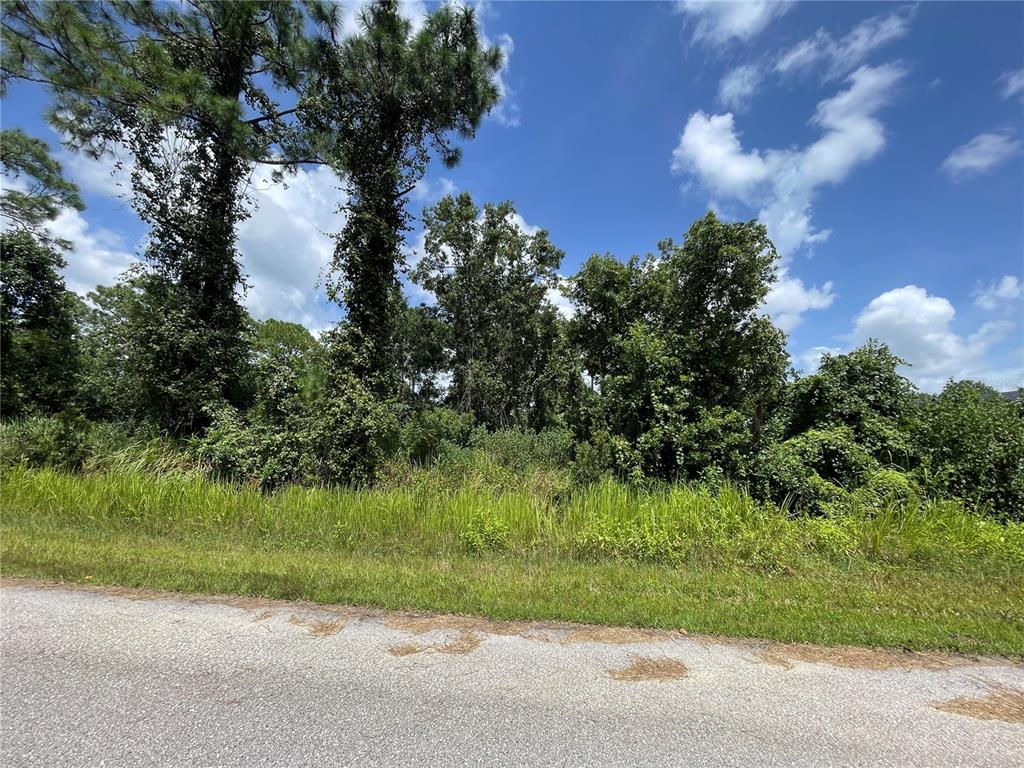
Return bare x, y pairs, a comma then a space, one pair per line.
789, 298
919, 328
980, 155
738, 87
720, 22
809, 360
287, 245
1002, 295
783, 183
97, 255
838, 58
1011, 83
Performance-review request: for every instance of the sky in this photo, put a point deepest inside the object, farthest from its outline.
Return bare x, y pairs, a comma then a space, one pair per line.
882, 145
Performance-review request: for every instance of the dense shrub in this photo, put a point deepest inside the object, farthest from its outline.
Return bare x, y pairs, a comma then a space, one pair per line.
971, 443
813, 469
430, 431
61, 442
68, 441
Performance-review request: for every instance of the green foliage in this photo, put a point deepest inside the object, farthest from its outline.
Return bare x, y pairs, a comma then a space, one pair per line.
338, 437
971, 443
813, 469
35, 190
486, 533
60, 442
428, 432
421, 340
70, 442
38, 333
861, 390
388, 98
491, 279
686, 369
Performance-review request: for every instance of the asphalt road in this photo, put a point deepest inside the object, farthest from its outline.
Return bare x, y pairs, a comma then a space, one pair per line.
94, 678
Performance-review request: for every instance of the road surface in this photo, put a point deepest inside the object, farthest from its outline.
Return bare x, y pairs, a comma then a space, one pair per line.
119, 677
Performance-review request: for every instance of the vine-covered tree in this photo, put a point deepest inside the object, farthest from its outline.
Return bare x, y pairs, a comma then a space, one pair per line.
387, 99
187, 90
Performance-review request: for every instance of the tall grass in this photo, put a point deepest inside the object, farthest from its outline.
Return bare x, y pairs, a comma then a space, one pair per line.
607, 520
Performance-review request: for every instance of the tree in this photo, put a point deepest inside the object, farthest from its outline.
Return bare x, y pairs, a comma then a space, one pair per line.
38, 339
609, 296
422, 342
491, 279
36, 190
110, 384
686, 367
387, 99
141, 74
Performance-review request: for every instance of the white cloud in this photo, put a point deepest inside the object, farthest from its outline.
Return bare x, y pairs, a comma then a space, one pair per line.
287, 245
980, 155
709, 147
720, 22
783, 182
918, 328
789, 299
842, 56
738, 86
1001, 295
427, 191
1012, 83
809, 360
97, 255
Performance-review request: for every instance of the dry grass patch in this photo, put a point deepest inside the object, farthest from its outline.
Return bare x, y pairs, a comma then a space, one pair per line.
1006, 704
614, 635
465, 642
858, 658
644, 668
318, 628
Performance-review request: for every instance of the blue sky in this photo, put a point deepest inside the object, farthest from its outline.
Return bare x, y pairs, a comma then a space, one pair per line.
883, 144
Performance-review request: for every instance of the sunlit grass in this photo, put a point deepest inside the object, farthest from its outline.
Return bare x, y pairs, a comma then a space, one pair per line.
921, 575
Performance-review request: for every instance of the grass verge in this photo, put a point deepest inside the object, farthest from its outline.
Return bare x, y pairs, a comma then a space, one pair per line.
157, 533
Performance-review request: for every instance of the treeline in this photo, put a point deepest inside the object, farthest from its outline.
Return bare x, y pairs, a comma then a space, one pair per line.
667, 369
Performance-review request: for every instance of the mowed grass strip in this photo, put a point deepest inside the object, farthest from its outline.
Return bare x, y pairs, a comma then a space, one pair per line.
931, 584
873, 607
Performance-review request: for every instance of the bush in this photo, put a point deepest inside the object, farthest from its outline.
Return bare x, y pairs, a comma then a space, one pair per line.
971, 440
430, 431
813, 469
71, 443
520, 450
61, 442
887, 486
250, 451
